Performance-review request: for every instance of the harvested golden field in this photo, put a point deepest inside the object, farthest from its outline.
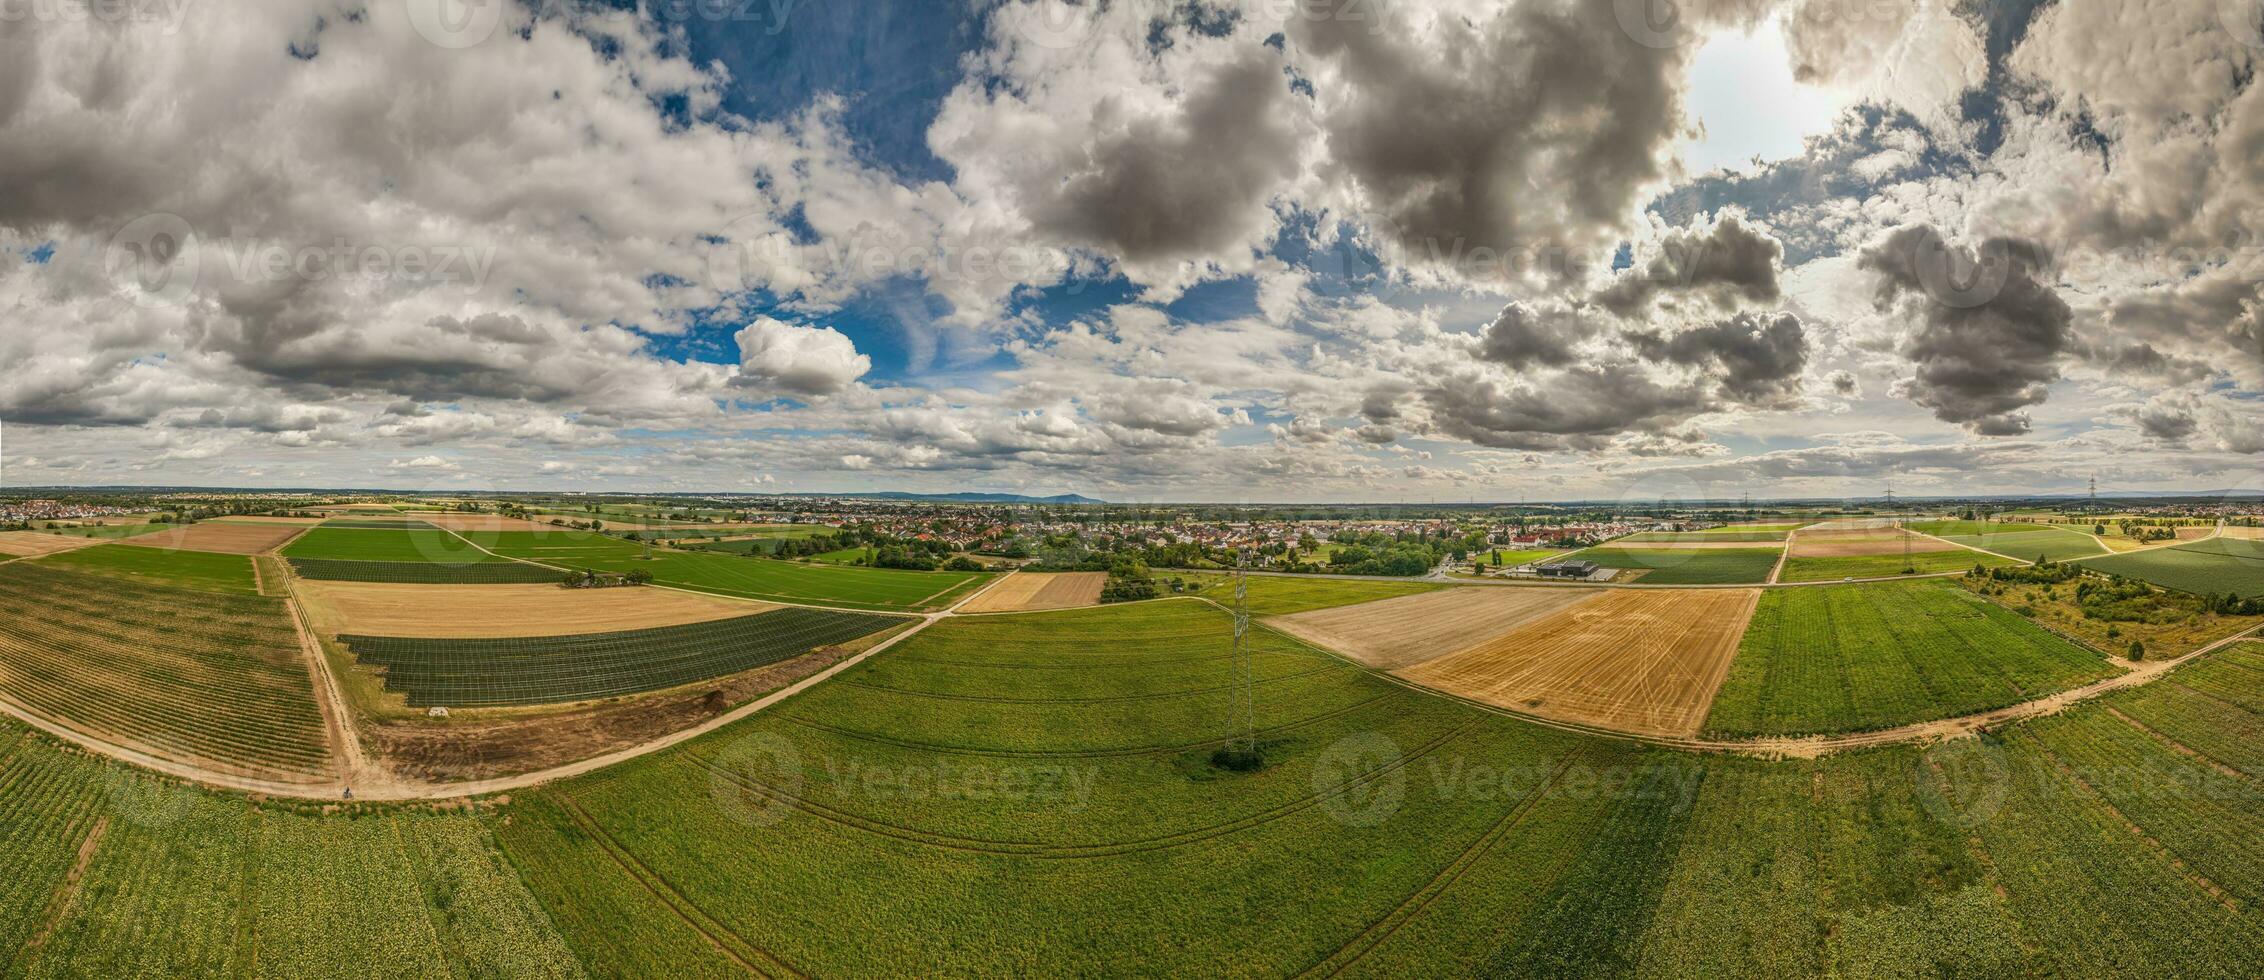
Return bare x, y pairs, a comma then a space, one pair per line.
1647, 662
2245, 533
1033, 591
1856, 542
293, 521
1410, 630
27, 544
225, 539
490, 611
2194, 533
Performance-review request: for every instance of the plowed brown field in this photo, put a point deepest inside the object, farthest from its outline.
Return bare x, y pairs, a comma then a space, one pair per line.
1865, 541
1634, 661
1410, 630
26, 544
446, 611
1034, 591
226, 539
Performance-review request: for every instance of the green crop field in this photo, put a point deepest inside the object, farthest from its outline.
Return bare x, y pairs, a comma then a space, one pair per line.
417, 544
107, 531
1799, 569
372, 522
1689, 566
2050, 544
880, 589
1944, 529
424, 573
1004, 796
1758, 533
1281, 595
2216, 565
185, 674
1857, 657
113, 874
1051, 801
552, 669
201, 570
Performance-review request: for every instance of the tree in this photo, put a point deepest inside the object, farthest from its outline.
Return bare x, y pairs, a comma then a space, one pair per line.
2137, 650
639, 576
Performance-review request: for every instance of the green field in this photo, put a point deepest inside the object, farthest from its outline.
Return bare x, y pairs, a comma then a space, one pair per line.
186, 569
877, 589
416, 544
2215, 565
1798, 569
1943, 529
1859, 657
1051, 802
1689, 566
1743, 532
106, 531
1281, 595
842, 556
552, 669
1003, 796
2050, 544
187, 883
181, 674
424, 573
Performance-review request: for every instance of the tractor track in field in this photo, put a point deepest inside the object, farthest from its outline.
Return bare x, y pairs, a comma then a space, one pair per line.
1117, 699
1044, 851
666, 892
1115, 753
1389, 924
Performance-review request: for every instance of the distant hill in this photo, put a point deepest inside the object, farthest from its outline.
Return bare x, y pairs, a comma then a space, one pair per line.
958, 498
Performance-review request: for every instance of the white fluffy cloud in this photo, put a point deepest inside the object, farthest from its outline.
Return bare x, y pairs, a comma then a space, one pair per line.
799, 360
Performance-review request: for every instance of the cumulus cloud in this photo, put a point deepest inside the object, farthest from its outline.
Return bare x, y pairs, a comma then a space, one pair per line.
798, 360
1756, 358
1986, 335
1527, 335
1726, 263
1527, 129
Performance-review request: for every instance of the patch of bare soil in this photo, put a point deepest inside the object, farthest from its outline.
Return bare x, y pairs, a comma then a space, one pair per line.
451, 752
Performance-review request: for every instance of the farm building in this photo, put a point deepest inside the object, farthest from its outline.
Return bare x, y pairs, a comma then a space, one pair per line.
1567, 569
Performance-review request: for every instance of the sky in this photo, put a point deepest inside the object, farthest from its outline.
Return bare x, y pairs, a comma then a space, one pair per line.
1143, 250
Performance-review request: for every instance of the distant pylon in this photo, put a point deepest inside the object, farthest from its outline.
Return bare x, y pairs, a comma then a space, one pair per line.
1242, 653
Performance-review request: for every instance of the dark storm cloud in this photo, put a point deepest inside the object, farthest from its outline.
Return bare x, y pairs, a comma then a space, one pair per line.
2167, 421
1986, 334
1524, 336
1756, 357
1580, 409
1177, 188
1451, 137
1727, 264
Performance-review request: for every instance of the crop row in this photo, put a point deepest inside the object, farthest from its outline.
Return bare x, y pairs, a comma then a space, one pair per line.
424, 573
223, 682
542, 670
1874, 656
